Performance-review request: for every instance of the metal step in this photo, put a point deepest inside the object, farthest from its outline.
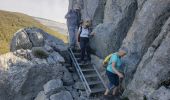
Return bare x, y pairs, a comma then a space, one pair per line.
97, 90
89, 69
86, 64
90, 75
94, 82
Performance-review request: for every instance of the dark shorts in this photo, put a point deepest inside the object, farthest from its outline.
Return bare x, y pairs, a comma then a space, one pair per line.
113, 78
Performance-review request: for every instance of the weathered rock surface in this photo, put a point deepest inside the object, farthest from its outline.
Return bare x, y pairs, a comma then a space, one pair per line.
53, 86
79, 85
41, 96
20, 41
64, 95
119, 15
153, 71
30, 37
145, 29
161, 94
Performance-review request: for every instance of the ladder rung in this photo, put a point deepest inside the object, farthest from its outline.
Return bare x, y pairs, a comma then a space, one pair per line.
77, 54
91, 75
85, 70
86, 64
94, 82
97, 90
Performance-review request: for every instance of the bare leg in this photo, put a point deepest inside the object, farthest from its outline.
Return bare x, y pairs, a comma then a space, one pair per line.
114, 91
106, 92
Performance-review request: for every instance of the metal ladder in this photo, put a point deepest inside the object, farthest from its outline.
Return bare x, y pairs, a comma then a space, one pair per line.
88, 74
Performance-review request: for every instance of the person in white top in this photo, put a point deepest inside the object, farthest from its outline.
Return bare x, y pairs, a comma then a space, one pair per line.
83, 37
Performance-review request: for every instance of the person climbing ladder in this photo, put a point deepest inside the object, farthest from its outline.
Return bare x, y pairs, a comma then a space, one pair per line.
83, 34
114, 70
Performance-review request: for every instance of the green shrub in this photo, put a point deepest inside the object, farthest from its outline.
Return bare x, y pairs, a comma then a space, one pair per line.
39, 52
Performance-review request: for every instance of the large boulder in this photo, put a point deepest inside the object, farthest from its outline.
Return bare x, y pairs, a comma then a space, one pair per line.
146, 27
67, 78
36, 36
119, 15
63, 95
23, 79
53, 86
20, 40
29, 37
153, 70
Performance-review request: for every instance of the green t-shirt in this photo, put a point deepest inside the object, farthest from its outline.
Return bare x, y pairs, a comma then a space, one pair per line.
116, 59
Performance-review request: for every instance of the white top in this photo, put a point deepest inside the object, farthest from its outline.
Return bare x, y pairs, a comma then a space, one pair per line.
84, 32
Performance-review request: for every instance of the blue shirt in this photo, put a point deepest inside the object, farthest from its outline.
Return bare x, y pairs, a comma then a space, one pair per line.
116, 59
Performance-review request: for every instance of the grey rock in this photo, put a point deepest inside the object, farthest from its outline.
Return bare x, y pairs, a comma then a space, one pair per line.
79, 86
48, 48
57, 57
67, 78
41, 96
39, 61
50, 60
161, 94
83, 94
20, 40
146, 27
119, 15
53, 86
69, 88
75, 94
153, 69
63, 95
36, 36
75, 77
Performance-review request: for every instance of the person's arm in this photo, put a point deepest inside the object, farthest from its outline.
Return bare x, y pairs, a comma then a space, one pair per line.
116, 71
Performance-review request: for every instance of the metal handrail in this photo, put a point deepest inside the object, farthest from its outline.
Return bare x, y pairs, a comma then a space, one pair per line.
100, 76
80, 72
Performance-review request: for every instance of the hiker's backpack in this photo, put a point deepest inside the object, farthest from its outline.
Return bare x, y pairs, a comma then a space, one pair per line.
80, 33
106, 60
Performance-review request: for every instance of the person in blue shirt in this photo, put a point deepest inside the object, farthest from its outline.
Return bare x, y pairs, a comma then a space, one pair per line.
114, 70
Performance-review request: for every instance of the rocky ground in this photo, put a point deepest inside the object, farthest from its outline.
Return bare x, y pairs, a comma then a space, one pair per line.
36, 69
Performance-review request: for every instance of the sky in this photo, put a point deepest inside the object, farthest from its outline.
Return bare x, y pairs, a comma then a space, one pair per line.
49, 9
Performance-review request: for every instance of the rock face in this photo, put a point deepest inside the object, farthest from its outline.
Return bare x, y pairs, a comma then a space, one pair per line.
153, 70
119, 15
141, 26
145, 29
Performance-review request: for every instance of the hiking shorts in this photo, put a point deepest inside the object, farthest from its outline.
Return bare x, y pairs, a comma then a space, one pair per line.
113, 79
